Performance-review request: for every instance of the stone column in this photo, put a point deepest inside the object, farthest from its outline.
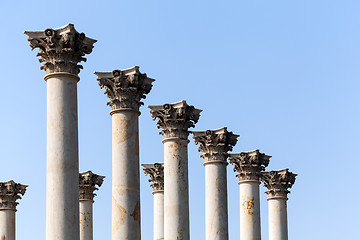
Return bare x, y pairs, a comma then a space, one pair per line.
125, 90
156, 173
175, 120
278, 183
9, 193
215, 145
249, 166
61, 51
87, 185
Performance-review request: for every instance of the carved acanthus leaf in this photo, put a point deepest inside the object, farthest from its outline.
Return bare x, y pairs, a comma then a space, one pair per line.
9, 193
156, 174
278, 182
125, 88
87, 185
60, 50
249, 165
175, 119
215, 144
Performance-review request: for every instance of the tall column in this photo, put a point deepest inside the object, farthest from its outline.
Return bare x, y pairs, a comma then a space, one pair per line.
249, 166
156, 173
278, 183
61, 51
9, 193
175, 120
215, 145
125, 90
87, 185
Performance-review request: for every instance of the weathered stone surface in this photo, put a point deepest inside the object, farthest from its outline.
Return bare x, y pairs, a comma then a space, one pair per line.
175, 119
249, 165
278, 182
9, 193
87, 185
156, 173
215, 144
61, 50
125, 88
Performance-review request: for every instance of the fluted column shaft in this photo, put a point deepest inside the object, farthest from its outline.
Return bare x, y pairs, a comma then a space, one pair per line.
176, 189
61, 50
125, 176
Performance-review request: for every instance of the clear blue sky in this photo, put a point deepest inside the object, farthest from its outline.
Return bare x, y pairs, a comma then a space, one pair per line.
282, 74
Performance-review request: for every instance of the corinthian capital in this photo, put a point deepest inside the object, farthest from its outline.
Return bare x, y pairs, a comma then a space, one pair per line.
61, 49
215, 144
87, 185
125, 88
175, 119
249, 165
278, 182
9, 193
156, 173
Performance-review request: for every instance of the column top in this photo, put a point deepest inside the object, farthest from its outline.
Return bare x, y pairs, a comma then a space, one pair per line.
9, 193
249, 165
125, 88
60, 50
278, 182
87, 185
156, 174
215, 144
175, 119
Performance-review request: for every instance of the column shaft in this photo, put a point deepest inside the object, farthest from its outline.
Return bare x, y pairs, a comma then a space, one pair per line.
216, 201
278, 229
125, 176
176, 191
7, 224
159, 215
62, 198
249, 210
86, 220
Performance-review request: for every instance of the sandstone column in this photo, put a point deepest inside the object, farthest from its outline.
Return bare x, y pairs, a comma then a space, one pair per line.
278, 183
87, 185
215, 145
61, 50
125, 90
249, 166
175, 120
156, 173
9, 193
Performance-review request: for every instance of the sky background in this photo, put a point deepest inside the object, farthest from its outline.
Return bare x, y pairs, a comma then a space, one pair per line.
282, 74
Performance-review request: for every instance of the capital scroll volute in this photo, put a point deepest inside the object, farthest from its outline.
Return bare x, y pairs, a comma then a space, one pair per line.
278, 183
61, 50
10, 192
215, 144
88, 183
156, 173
